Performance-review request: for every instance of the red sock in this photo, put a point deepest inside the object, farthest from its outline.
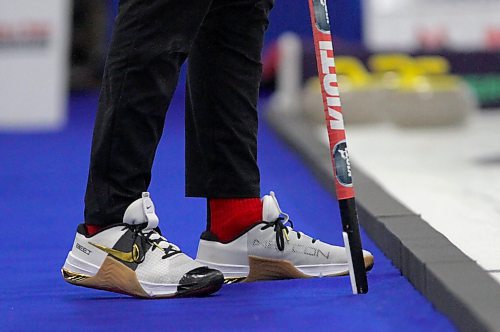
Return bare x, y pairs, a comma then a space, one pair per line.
229, 217
92, 229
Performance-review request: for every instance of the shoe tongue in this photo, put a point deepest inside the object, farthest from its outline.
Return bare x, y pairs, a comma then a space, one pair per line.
141, 211
270, 208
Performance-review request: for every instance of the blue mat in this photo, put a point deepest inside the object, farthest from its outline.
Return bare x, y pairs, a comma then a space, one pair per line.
42, 181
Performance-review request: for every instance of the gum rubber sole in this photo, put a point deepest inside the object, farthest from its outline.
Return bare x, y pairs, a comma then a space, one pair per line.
261, 269
272, 269
115, 277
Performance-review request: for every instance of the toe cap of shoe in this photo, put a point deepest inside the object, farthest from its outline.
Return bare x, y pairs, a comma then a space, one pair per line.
200, 282
369, 260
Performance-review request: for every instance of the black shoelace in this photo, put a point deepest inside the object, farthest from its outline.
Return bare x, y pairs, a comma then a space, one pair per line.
139, 234
281, 231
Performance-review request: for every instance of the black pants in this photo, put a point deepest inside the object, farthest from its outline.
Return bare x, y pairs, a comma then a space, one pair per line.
222, 40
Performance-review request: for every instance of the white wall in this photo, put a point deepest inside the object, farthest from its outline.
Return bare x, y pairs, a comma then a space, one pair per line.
408, 25
34, 58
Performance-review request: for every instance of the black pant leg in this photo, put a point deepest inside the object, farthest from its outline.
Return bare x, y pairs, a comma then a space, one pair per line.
151, 40
224, 72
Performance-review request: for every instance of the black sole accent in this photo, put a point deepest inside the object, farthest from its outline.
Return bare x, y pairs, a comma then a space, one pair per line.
199, 282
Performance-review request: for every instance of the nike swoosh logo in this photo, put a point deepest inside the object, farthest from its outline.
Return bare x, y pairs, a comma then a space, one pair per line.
129, 257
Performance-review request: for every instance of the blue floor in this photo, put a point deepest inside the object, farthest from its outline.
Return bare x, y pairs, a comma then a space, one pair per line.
42, 181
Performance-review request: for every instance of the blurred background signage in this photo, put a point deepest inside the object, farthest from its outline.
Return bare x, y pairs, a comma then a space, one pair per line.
408, 25
33, 63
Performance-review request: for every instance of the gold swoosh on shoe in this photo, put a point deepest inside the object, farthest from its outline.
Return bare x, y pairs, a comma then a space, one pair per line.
129, 257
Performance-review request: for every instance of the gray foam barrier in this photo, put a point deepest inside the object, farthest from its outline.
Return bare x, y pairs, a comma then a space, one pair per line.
448, 278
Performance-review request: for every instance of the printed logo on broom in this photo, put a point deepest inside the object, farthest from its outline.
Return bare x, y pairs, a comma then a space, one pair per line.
342, 164
329, 83
321, 12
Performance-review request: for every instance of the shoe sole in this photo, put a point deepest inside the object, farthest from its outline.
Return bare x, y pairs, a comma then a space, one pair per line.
261, 269
115, 277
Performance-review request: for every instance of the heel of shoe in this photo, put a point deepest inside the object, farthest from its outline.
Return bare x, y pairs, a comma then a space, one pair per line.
73, 277
112, 276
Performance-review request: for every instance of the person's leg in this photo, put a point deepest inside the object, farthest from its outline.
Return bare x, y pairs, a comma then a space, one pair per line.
245, 238
221, 114
221, 104
151, 40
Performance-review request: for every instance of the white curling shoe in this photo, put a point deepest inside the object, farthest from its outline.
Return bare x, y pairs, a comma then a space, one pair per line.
272, 250
133, 258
